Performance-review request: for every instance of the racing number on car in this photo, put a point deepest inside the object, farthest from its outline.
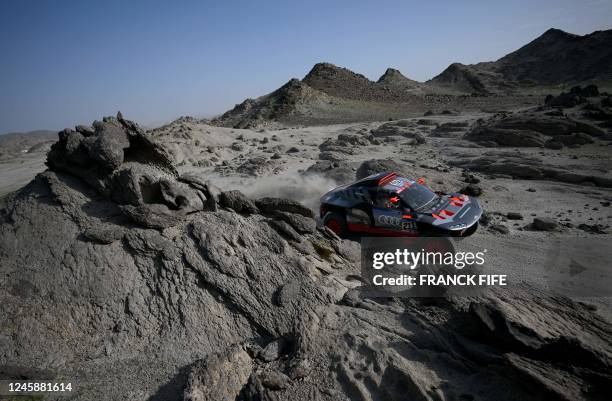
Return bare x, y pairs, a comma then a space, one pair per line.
408, 226
397, 222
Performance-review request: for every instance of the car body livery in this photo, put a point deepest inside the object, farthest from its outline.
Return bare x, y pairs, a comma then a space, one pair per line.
387, 204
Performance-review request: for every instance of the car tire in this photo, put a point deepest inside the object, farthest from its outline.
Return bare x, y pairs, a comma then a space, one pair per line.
336, 223
471, 230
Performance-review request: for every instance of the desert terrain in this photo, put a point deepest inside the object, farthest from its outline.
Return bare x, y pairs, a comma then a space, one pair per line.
188, 262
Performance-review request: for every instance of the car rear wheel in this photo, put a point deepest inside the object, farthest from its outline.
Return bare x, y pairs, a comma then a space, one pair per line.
336, 222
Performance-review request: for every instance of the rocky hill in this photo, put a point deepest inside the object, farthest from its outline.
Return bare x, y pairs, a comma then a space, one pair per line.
560, 58
554, 58
16, 143
331, 94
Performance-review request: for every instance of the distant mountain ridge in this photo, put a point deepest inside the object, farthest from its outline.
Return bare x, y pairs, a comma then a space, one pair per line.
555, 59
16, 143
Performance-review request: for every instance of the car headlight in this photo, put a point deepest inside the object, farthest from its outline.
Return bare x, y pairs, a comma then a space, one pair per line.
458, 226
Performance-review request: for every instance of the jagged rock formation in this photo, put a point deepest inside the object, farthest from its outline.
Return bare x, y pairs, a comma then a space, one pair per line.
118, 160
235, 298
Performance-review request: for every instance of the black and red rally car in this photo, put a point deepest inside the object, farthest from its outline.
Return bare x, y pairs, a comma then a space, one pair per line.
387, 204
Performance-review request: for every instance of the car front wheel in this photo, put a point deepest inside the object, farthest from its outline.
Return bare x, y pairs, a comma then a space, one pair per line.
336, 222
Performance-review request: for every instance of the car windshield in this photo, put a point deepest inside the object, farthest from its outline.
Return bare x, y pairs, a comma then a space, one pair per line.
417, 196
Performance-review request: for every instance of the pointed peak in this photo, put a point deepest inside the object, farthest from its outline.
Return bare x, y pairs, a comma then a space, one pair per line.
330, 72
323, 67
393, 76
555, 31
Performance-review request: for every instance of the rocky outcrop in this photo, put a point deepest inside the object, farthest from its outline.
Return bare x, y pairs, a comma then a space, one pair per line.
345, 143
524, 167
118, 160
531, 129
461, 77
402, 128
147, 289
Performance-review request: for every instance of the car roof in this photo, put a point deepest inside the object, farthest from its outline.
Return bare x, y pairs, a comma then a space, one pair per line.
388, 181
375, 180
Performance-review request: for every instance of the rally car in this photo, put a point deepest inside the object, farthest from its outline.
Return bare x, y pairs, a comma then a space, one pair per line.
390, 205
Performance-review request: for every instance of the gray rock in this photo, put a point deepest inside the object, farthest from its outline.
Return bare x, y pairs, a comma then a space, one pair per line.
256, 391
506, 137
237, 146
219, 376
274, 380
553, 144
529, 129
299, 368
472, 190
237, 201
301, 224
272, 205
377, 166
210, 191
514, 216
544, 224
344, 143
151, 216
109, 145
398, 129
272, 351
285, 230
123, 164
85, 130
593, 228
499, 228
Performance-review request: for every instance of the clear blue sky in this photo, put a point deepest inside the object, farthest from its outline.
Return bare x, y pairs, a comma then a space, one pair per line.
69, 62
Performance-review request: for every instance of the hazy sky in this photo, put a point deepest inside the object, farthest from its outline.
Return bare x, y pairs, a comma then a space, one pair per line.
69, 62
